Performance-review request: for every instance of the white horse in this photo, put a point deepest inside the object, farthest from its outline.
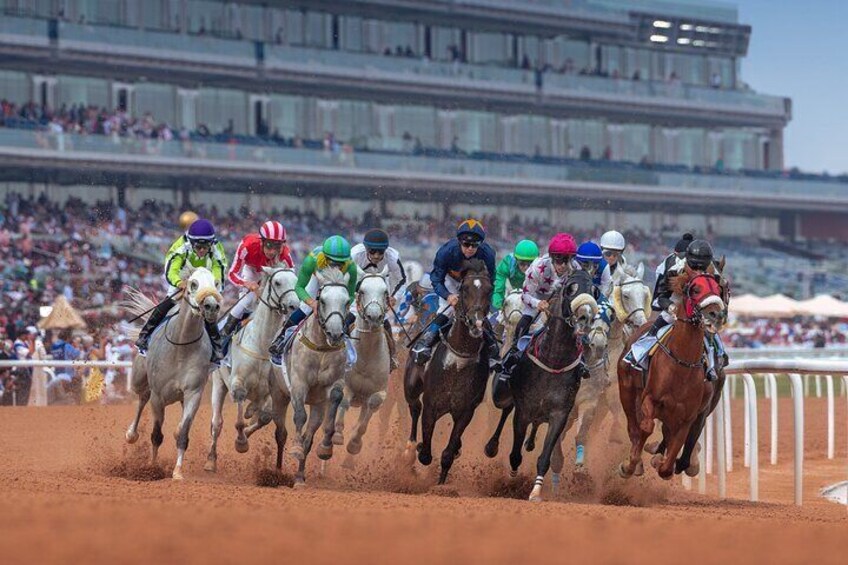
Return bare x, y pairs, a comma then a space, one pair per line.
510, 315
314, 364
365, 383
177, 364
249, 378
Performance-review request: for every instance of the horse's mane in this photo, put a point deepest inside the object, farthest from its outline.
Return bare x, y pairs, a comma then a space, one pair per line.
474, 266
136, 304
334, 275
678, 282
630, 271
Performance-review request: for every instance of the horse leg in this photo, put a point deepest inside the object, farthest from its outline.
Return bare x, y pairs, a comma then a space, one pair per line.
519, 430
530, 444
493, 444
190, 406
325, 448
344, 406
132, 431
587, 418
156, 437
557, 463
685, 463
354, 446
413, 388
219, 393
298, 400
279, 407
428, 424
552, 439
454, 443
675, 442
316, 416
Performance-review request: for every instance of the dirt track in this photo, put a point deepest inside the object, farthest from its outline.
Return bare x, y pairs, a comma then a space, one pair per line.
72, 491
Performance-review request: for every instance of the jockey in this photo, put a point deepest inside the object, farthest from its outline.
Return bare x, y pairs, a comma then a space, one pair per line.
265, 249
591, 259
512, 268
420, 304
335, 252
544, 277
374, 253
697, 256
444, 276
612, 249
198, 247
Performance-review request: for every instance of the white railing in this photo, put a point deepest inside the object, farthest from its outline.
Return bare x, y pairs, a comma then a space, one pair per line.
770, 369
49, 364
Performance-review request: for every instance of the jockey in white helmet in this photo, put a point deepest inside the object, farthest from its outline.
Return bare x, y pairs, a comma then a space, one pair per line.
612, 248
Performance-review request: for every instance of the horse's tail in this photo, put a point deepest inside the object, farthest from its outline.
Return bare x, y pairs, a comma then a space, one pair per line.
138, 305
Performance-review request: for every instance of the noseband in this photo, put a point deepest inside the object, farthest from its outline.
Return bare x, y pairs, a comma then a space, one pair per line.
635, 310
382, 304
460, 307
322, 322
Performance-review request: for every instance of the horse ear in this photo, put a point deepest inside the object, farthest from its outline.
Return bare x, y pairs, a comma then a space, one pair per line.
269, 271
640, 271
187, 270
359, 272
319, 276
722, 263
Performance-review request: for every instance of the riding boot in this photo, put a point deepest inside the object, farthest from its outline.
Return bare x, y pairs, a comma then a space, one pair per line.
156, 316
230, 325
512, 356
423, 349
279, 342
658, 324
349, 320
390, 340
493, 347
217, 342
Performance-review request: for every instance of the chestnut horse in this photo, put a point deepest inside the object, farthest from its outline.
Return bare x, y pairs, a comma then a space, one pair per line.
675, 390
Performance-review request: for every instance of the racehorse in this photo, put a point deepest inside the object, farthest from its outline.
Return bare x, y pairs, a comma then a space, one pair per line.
315, 362
545, 381
674, 390
510, 316
177, 364
365, 383
250, 372
454, 380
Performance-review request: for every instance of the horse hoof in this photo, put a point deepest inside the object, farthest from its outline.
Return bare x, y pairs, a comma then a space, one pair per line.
242, 446
299, 484
177, 475
132, 437
338, 438
656, 461
491, 449
324, 452
693, 469
640, 469
556, 481
211, 466
296, 451
425, 458
240, 395
652, 447
529, 445
622, 472
354, 446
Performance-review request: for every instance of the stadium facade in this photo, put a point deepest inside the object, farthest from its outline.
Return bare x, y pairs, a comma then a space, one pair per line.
589, 112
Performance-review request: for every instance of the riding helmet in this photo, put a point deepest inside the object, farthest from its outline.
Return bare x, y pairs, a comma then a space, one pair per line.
272, 231
613, 240
562, 244
589, 251
376, 239
699, 254
336, 248
201, 230
471, 230
526, 250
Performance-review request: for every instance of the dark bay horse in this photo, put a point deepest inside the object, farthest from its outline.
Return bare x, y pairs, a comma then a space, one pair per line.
545, 381
454, 381
675, 390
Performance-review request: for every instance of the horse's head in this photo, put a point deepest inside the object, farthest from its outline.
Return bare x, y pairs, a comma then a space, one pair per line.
576, 302
333, 300
475, 296
703, 300
202, 294
631, 298
372, 297
596, 340
277, 289
512, 308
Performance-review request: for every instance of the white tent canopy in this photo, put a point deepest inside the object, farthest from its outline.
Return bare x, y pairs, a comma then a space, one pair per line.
824, 305
780, 306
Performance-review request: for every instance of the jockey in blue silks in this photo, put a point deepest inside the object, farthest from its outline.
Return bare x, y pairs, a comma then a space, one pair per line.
444, 276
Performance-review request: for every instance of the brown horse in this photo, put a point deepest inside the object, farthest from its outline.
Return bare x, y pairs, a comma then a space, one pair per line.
674, 391
454, 380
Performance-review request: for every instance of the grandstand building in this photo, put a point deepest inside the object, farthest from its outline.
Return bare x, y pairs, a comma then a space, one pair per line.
584, 112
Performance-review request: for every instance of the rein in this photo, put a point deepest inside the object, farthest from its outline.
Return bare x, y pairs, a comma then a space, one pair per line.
272, 294
168, 323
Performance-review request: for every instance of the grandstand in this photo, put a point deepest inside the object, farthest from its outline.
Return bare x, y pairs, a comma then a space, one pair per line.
580, 114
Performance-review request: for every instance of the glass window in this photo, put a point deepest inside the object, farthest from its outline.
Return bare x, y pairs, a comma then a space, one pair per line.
586, 138
630, 142
253, 24
351, 33
205, 16
353, 122
88, 91
217, 107
158, 100
445, 43
14, 87
318, 30
417, 121
288, 115
476, 131
397, 36
638, 61
490, 48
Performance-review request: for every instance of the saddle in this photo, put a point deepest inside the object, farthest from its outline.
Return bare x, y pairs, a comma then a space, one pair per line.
662, 337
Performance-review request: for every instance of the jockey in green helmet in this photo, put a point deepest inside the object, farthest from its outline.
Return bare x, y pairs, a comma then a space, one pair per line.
512, 268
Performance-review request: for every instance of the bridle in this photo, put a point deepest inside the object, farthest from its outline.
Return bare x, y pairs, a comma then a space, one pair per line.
460, 307
322, 322
507, 315
635, 310
274, 300
382, 304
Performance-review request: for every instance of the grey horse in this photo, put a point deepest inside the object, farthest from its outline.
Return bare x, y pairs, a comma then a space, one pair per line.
177, 364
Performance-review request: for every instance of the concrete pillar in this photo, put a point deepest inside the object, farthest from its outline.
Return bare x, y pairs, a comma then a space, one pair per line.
776, 150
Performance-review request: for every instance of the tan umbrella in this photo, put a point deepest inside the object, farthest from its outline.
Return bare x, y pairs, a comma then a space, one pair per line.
824, 305
62, 317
